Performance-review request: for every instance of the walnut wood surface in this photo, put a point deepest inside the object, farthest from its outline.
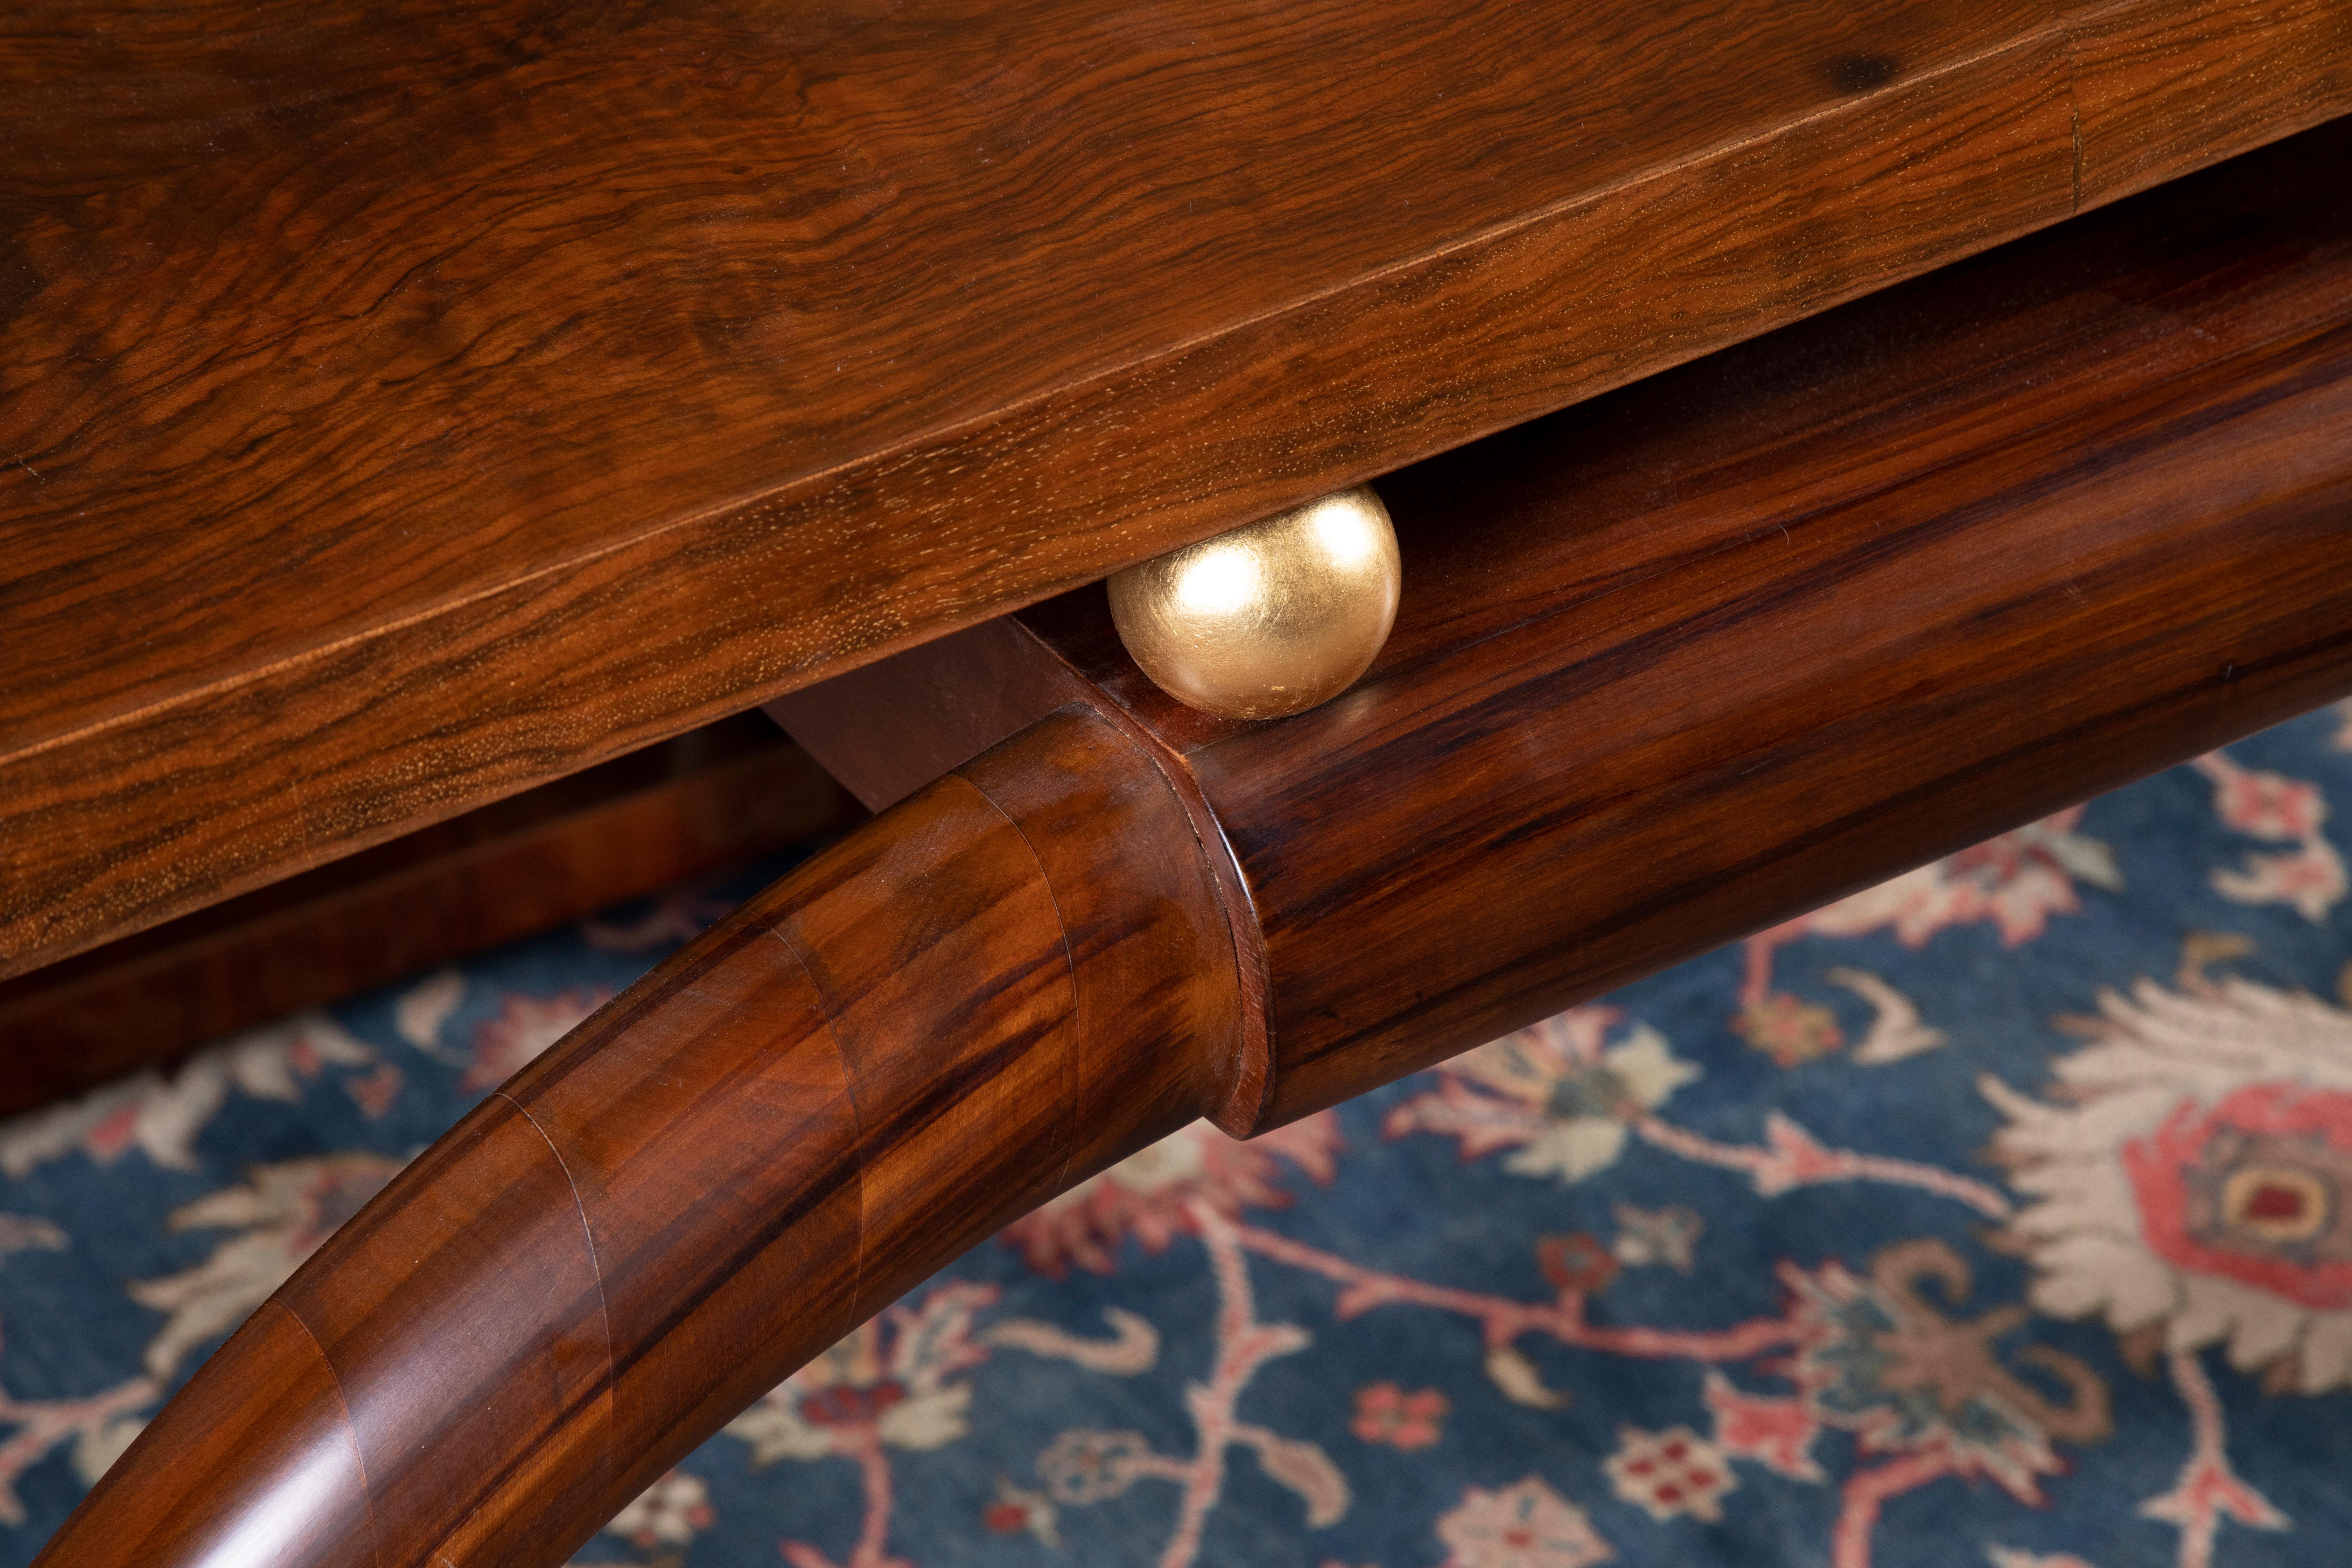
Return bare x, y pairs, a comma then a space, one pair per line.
710, 798
782, 1129
406, 406
2172, 85
1721, 647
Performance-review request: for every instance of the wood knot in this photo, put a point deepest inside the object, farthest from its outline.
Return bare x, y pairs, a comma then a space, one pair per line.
1860, 73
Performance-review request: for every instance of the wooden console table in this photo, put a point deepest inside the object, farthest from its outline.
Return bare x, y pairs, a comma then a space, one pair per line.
400, 415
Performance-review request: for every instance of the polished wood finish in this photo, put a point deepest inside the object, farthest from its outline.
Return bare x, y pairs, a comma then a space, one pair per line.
863, 1071
406, 408
2178, 83
1670, 666
710, 798
889, 728
1723, 645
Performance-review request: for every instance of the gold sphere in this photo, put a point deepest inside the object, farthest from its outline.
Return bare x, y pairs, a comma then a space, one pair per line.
1268, 619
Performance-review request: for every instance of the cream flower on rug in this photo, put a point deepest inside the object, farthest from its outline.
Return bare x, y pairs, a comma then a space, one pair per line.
280, 1213
1555, 1093
1524, 1526
2192, 1170
667, 1513
888, 1383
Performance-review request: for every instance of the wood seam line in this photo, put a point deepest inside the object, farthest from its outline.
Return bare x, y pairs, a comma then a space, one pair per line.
595, 1267
350, 1427
1139, 368
1073, 1076
828, 1007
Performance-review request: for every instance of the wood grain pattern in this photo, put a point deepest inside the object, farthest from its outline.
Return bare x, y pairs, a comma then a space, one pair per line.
887, 729
1719, 647
1679, 663
714, 797
2170, 85
780, 1130
403, 412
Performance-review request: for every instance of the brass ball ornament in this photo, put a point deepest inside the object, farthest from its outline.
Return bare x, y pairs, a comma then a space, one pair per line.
1269, 619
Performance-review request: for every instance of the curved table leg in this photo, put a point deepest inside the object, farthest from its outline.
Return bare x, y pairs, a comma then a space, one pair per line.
1013, 979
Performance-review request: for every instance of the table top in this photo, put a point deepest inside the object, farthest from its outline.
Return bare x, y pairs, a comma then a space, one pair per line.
398, 414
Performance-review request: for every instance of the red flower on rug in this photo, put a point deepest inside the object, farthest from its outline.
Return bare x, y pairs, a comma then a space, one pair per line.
1671, 1473
1146, 1195
1577, 1264
1387, 1413
526, 1026
2192, 1170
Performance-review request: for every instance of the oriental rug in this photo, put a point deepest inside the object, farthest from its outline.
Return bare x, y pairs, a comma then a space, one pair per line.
2000, 1216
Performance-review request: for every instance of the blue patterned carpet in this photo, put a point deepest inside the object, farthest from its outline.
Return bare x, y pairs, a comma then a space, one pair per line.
2000, 1216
